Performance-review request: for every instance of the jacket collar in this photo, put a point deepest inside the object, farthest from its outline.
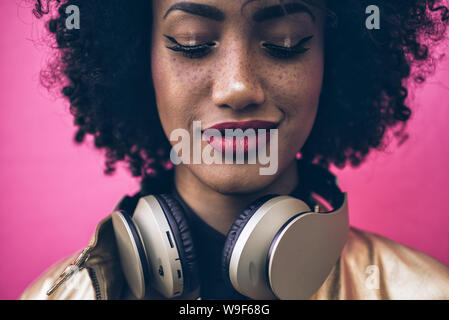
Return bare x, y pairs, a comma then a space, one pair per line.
101, 256
103, 262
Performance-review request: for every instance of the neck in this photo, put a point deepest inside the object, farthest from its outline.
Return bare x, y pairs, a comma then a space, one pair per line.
226, 207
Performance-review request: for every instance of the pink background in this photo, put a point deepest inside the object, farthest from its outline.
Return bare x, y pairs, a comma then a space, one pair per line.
53, 193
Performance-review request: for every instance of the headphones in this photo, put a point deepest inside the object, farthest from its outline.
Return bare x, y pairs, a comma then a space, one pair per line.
278, 248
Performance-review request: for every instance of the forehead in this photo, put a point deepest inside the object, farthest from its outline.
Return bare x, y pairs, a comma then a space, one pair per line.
221, 10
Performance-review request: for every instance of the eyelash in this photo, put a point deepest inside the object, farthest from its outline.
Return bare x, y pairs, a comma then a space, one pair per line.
192, 52
281, 52
278, 52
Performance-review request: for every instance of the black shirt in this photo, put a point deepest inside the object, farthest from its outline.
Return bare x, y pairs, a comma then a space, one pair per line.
209, 245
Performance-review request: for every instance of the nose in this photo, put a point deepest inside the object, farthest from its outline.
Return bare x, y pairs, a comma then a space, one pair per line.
236, 84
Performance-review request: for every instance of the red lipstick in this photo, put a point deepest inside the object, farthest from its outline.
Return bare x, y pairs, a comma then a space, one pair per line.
248, 142
253, 124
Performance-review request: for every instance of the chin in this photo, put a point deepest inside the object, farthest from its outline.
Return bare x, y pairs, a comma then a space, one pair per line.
234, 178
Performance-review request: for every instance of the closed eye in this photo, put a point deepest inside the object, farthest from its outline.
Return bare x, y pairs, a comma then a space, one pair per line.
192, 52
283, 52
276, 51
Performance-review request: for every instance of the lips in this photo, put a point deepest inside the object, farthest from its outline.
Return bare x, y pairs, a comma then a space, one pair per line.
253, 124
246, 143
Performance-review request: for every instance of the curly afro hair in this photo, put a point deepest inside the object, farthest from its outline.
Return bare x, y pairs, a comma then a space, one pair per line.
104, 70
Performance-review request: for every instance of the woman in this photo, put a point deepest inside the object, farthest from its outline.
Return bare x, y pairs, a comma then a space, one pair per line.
313, 71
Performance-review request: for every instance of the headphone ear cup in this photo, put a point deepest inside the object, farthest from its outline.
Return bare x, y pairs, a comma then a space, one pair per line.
183, 238
246, 250
133, 256
305, 250
234, 233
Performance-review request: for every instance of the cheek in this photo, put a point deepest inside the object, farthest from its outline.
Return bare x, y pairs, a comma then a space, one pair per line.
298, 88
297, 94
177, 90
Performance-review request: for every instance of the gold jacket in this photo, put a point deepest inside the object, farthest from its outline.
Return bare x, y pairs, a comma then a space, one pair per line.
370, 267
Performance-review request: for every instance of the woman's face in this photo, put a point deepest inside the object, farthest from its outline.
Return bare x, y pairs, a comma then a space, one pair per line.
252, 64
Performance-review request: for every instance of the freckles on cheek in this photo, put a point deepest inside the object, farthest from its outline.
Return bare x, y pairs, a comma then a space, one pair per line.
298, 87
171, 78
184, 70
180, 86
287, 88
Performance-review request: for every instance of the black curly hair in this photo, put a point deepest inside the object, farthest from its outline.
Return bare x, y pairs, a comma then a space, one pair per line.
104, 70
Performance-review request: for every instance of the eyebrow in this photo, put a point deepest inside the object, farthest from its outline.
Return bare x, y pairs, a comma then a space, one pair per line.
278, 11
264, 14
202, 10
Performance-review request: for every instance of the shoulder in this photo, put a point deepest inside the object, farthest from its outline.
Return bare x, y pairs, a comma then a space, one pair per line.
78, 287
380, 267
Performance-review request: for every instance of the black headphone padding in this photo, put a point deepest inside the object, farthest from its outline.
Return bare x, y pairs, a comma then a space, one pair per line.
234, 233
183, 238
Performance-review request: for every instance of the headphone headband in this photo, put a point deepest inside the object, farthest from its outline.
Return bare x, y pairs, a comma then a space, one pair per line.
312, 179
316, 179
